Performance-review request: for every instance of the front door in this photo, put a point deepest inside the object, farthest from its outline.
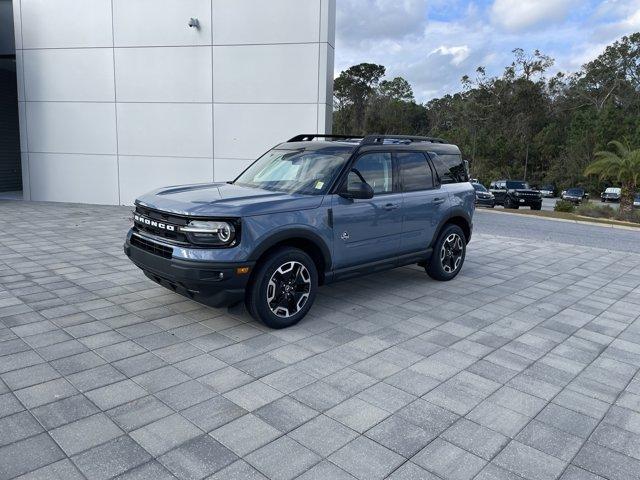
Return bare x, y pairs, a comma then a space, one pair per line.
368, 231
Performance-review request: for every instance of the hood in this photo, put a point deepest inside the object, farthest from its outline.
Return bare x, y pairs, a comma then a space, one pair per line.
225, 200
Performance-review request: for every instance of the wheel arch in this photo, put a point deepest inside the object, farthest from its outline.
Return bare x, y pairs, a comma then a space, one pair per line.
310, 243
459, 218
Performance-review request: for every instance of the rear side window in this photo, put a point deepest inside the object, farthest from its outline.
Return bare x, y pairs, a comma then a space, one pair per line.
450, 168
415, 171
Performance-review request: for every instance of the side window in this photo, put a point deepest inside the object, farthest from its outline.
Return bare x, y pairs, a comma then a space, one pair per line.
450, 168
415, 172
376, 169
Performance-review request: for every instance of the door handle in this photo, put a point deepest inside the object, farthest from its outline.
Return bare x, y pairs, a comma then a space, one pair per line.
391, 206
438, 200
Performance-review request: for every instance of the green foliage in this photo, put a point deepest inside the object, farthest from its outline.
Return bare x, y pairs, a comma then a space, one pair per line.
564, 206
621, 165
596, 211
521, 124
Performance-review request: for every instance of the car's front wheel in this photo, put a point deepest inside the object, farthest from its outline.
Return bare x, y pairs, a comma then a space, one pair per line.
448, 254
283, 288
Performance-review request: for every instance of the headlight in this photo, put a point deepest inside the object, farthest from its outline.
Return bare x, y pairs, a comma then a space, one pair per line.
213, 233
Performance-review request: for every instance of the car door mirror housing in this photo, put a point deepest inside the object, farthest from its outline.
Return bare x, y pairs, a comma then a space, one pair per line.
357, 190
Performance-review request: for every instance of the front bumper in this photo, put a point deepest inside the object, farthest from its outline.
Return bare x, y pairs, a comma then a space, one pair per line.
527, 201
213, 283
485, 202
573, 199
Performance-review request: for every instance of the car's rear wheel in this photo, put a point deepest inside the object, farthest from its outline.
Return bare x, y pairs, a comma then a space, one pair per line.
283, 288
448, 254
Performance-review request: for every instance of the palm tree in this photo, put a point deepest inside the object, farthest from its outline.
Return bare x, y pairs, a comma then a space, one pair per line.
623, 165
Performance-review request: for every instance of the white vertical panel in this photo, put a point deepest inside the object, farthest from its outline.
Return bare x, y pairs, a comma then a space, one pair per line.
68, 74
237, 22
138, 23
66, 23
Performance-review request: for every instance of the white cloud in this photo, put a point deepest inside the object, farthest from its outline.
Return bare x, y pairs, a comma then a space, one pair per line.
517, 15
458, 54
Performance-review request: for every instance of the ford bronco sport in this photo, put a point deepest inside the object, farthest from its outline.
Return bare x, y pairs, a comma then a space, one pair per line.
313, 210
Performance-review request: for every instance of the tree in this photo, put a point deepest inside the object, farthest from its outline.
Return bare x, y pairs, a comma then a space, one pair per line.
622, 165
352, 89
397, 89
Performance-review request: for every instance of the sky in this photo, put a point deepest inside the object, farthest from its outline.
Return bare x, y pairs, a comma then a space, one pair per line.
433, 43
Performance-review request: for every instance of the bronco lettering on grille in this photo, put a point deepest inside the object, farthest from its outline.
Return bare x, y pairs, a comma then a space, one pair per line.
153, 223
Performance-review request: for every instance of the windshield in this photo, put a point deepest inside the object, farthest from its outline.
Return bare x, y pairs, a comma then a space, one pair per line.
613, 190
303, 171
547, 187
575, 191
516, 185
478, 187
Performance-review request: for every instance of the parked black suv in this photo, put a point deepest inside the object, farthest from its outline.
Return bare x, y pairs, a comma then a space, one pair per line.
515, 194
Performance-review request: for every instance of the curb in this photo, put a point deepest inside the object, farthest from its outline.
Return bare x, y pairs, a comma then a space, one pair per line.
579, 222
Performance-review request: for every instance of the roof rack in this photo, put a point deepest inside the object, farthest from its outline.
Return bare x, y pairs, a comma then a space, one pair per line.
307, 137
380, 139
368, 139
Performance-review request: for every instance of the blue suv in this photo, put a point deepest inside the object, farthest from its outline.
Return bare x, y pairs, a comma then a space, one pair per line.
313, 210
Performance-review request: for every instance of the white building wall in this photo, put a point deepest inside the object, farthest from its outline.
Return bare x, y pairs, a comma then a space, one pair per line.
117, 97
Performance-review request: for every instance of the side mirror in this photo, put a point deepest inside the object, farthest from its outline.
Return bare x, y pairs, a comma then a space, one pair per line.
359, 190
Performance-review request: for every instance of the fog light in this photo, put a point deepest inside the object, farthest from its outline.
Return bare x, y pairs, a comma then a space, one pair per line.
242, 270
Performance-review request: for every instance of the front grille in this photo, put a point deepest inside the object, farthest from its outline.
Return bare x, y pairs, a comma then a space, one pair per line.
175, 220
151, 247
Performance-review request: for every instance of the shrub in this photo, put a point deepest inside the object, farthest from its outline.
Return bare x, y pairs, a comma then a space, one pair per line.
564, 206
596, 211
632, 216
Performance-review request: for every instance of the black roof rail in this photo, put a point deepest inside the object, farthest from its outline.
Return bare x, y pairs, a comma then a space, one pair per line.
307, 137
379, 139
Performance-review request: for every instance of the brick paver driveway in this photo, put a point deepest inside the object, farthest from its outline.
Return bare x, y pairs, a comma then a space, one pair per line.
525, 366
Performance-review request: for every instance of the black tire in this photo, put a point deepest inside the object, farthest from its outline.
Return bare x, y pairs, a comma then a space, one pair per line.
438, 267
536, 207
284, 287
508, 203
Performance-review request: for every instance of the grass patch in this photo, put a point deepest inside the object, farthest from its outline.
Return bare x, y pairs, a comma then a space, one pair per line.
575, 217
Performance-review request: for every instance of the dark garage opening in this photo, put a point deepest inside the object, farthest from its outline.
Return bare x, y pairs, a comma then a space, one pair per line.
10, 168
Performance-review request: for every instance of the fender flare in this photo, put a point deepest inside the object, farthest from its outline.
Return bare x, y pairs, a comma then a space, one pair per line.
455, 212
293, 234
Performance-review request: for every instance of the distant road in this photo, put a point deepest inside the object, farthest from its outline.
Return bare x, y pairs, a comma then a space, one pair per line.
535, 228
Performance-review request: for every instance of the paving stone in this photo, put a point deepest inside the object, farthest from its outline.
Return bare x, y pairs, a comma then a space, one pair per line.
567, 420
95, 378
199, 366
139, 412
365, 459
185, 395
253, 395
448, 461
357, 414
226, 379
197, 458
323, 435
160, 379
61, 470
245, 434
213, 413
320, 396
387, 397
9, 404
85, 433
400, 435
28, 455
164, 434
529, 462
498, 418
324, 470
111, 459
26, 377
282, 459
410, 471
150, 470
475, 438
550, 440
64, 411
285, 414
18, 426
240, 470
115, 394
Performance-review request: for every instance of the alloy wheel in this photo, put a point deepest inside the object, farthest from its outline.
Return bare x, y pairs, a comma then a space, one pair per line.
451, 253
288, 289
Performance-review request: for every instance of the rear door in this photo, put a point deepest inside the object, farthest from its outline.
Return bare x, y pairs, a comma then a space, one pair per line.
424, 202
368, 231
